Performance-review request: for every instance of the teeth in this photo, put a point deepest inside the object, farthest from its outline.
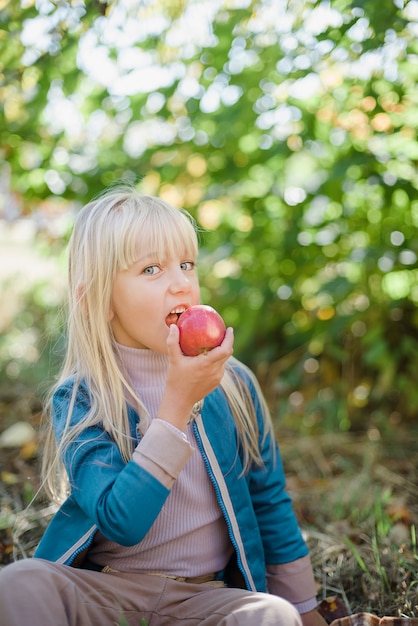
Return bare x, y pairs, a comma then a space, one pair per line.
178, 311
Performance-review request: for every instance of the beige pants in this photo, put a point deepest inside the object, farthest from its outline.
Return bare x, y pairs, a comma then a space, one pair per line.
39, 593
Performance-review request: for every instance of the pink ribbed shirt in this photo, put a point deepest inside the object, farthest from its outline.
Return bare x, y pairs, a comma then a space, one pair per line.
189, 537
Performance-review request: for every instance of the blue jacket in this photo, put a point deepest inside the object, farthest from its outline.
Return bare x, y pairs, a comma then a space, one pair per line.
122, 500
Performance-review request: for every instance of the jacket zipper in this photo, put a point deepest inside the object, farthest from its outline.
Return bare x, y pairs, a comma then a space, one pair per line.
221, 504
81, 548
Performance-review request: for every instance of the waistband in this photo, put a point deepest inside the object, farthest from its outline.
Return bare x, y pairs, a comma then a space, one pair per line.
214, 578
203, 578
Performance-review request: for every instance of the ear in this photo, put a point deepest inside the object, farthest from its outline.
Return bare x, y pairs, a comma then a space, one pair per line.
80, 293
80, 297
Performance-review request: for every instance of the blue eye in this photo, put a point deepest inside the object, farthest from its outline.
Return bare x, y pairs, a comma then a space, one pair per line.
187, 265
151, 269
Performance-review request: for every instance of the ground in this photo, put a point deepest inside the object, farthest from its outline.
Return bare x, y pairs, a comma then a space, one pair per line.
355, 495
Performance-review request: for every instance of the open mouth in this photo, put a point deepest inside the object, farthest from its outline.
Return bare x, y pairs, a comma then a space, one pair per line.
173, 316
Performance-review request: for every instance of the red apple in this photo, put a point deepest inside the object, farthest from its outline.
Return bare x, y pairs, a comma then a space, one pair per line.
201, 329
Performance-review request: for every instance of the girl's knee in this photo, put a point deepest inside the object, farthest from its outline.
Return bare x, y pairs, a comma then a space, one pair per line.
272, 610
39, 584
21, 573
13, 579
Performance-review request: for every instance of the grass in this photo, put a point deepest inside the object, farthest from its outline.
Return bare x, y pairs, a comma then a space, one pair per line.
356, 500
123, 622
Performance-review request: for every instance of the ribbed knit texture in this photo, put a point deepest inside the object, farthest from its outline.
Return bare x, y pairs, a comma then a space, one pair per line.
189, 537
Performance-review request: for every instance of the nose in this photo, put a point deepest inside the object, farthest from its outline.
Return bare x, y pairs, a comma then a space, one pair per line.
179, 282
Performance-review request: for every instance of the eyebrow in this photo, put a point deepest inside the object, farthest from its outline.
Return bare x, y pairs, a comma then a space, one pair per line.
153, 257
149, 256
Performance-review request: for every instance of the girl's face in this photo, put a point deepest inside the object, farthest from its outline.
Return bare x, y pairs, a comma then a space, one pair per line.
148, 296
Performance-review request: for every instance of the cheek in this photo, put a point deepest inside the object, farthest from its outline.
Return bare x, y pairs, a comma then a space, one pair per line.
119, 297
196, 292
113, 309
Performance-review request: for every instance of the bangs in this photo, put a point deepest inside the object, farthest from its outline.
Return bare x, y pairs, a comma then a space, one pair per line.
152, 226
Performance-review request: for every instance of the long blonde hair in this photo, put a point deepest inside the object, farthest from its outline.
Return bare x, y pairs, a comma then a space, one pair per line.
104, 240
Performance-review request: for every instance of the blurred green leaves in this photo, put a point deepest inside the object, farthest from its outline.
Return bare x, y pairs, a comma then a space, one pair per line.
288, 129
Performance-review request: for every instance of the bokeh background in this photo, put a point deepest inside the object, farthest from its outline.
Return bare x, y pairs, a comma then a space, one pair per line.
287, 128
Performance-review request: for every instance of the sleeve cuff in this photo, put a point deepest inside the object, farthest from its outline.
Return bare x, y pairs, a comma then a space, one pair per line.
293, 581
163, 452
305, 607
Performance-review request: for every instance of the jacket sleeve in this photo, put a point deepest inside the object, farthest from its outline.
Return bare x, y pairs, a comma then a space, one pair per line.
122, 499
295, 582
281, 536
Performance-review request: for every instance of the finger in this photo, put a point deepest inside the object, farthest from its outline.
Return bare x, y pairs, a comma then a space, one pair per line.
173, 346
229, 338
223, 351
227, 342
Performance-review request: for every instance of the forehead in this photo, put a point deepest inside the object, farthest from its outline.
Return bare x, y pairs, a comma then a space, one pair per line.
172, 237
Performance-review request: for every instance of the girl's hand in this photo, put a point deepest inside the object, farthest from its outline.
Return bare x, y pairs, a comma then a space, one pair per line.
190, 379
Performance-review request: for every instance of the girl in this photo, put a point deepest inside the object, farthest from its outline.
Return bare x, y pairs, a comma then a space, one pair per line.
175, 507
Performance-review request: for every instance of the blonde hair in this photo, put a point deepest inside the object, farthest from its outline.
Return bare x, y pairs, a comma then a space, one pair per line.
105, 239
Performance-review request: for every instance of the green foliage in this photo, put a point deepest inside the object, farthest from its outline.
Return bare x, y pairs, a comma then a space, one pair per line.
290, 136
32, 348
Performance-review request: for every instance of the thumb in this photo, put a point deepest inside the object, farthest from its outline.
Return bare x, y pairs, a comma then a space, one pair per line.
173, 346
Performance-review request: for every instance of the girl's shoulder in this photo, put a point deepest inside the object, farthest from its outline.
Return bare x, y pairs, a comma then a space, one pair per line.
71, 388
71, 397
249, 388
244, 373
73, 403
239, 367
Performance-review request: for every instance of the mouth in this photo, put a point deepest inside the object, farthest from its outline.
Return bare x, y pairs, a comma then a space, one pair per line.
173, 316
